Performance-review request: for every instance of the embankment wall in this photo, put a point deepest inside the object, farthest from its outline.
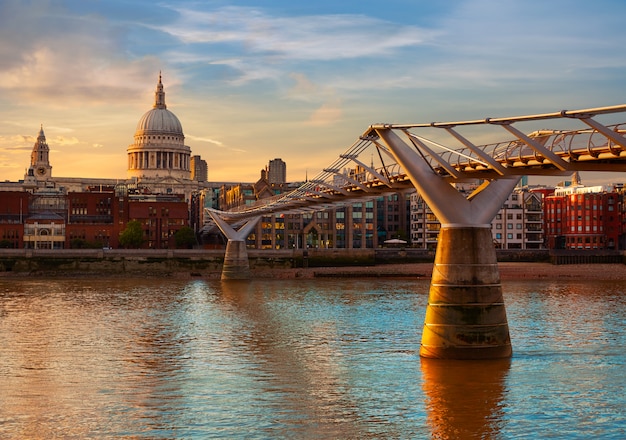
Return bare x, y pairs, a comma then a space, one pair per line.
111, 262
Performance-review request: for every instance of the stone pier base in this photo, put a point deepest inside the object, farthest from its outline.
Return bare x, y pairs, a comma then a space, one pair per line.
465, 317
236, 265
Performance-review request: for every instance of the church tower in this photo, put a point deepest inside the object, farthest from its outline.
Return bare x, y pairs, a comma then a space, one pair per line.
40, 167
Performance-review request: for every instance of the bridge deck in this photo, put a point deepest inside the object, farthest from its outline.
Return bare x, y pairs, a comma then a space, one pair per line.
591, 146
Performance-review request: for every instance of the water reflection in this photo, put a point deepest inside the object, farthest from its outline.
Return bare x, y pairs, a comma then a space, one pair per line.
465, 398
77, 361
301, 365
299, 359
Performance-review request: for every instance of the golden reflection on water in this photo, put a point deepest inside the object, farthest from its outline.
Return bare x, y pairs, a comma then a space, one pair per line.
464, 398
66, 372
307, 374
144, 358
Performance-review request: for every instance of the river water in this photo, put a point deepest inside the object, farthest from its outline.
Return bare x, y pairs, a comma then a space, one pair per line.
300, 359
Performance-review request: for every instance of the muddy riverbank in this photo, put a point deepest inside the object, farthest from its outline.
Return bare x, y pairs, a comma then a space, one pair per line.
508, 271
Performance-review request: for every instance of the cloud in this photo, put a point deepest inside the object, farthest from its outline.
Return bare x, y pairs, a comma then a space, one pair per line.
531, 40
204, 139
63, 141
17, 143
63, 58
215, 142
317, 37
328, 114
303, 87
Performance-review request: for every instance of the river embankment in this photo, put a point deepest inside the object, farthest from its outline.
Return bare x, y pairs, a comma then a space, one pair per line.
317, 263
508, 271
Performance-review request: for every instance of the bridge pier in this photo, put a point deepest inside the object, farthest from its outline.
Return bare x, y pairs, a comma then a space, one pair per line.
465, 316
236, 264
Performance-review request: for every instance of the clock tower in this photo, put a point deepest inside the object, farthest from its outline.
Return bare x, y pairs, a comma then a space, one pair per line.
40, 167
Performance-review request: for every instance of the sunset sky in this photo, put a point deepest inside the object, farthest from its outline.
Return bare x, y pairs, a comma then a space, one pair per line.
299, 80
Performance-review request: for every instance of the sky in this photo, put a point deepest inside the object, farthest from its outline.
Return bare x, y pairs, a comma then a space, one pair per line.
299, 80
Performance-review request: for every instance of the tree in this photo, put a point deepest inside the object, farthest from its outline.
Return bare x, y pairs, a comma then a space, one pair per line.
132, 236
185, 237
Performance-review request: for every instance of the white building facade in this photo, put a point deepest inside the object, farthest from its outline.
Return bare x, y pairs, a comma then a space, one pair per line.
518, 224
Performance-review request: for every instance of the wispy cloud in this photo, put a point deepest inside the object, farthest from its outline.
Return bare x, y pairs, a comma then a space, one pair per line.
328, 114
17, 143
204, 139
64, 58
64, 140
318, 37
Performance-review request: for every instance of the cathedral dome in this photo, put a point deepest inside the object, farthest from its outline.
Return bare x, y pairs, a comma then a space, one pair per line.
159, 149
159, 120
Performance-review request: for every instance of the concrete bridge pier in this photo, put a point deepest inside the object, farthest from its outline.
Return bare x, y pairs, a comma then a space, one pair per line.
236, 265
465, 316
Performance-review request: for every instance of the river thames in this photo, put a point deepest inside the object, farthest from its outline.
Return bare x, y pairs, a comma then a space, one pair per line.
301, 359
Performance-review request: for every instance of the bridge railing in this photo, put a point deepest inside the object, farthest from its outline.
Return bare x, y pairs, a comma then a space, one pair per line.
555, 148
571, 145
367, 167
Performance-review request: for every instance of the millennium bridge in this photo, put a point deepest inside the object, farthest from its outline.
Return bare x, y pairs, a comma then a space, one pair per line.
465, 316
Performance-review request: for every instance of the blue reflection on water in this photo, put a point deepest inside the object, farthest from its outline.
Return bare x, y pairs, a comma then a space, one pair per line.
329, 358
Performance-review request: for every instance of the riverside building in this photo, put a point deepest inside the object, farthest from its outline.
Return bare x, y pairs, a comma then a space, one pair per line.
586, 218
360, 225
166, 189
517, 225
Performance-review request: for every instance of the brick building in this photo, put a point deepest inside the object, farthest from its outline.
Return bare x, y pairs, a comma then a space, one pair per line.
579, 217
13, 210
89, 219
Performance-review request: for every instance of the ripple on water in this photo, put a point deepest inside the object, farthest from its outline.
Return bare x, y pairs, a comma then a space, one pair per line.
330, 358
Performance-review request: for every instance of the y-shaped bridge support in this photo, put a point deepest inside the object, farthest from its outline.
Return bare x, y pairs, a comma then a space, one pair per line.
465, 317
236, 265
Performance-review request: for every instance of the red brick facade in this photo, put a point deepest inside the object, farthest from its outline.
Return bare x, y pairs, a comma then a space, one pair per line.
584, 220
89, 219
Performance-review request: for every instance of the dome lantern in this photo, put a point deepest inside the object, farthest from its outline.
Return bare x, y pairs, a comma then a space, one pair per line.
159, 95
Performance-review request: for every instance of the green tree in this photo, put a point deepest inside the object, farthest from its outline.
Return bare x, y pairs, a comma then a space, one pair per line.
132, 236
185, 237
78, 243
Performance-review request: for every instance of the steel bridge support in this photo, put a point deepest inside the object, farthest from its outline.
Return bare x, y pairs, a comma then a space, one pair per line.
465, 316
236, 265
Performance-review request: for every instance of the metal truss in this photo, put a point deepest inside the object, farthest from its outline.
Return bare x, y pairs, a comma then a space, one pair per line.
577, 141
